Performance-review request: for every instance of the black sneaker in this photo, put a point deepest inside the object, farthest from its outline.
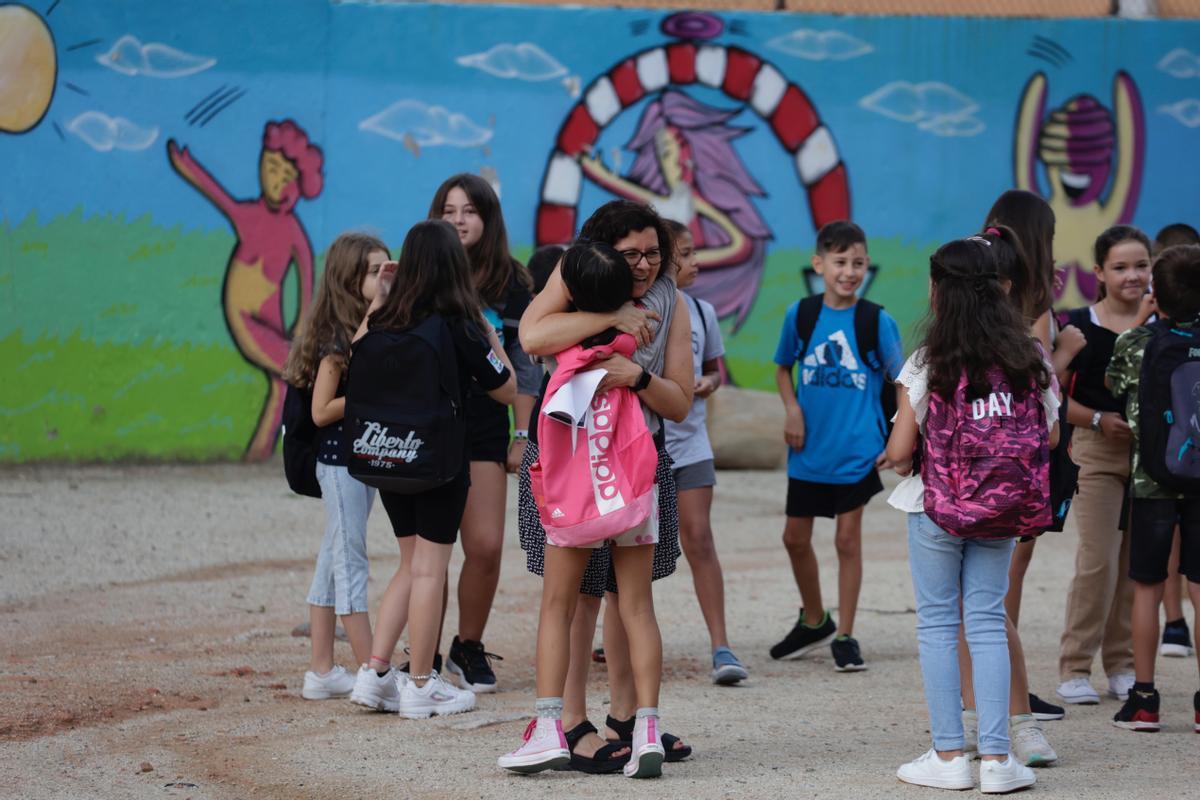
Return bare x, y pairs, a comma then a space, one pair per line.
1176, 639
1196, 708
846, 657
469, 662
1043, 710
803, 639
437, 664
1140, 712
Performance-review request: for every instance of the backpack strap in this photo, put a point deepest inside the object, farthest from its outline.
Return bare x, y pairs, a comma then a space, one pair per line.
807, 312
700, 314
866, 333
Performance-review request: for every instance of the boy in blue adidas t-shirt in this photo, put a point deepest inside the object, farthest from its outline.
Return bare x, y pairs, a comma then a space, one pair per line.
835, 431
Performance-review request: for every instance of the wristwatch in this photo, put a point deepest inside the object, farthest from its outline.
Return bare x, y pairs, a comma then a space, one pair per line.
1096, 420
643, 381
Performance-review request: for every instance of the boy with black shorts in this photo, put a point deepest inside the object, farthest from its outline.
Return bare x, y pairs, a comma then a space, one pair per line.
1164, 356
849, 350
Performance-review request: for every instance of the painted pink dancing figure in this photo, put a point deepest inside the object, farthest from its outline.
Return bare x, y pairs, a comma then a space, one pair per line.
270, 238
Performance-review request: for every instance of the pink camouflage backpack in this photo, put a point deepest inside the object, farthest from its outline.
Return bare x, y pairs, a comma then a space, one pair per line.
986, 462
594, 477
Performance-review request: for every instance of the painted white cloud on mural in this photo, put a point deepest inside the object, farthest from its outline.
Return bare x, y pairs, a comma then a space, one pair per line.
935, 107
524, 61
104, 133
820, 45
154, 60
1186, 112
425, 125
1181, 63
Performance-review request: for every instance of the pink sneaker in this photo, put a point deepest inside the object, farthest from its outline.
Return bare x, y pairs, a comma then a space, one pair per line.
545, 748
648, 754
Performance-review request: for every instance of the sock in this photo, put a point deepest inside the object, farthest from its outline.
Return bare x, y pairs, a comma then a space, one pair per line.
549, 707
649, 711
1143, 688
1176, 623
842, 638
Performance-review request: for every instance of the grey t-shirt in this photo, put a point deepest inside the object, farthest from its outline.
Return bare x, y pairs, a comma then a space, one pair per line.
687, 441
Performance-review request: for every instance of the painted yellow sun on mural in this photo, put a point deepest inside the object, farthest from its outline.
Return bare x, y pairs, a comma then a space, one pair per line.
28, 68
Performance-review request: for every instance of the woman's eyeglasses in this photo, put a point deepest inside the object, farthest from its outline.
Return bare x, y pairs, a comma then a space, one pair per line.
632, 257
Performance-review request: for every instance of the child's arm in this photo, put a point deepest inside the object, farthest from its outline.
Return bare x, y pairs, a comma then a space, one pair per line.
903, 440
507, 392
326, 407
793, 426
547, 327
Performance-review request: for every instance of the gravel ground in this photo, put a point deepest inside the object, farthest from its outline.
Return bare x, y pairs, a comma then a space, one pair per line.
146, 614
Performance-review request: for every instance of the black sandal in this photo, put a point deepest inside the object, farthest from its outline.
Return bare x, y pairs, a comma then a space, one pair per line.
625, 732
603, 762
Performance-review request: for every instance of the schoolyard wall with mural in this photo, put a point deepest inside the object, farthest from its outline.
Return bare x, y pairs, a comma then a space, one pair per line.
173, 172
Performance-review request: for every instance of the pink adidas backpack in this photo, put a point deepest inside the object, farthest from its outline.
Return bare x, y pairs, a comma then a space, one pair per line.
594, 482
986, 463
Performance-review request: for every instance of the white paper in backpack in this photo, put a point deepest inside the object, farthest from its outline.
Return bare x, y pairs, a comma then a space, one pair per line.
571, 403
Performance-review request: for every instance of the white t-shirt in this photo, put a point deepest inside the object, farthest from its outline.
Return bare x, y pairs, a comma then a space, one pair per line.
687, 441
909, 495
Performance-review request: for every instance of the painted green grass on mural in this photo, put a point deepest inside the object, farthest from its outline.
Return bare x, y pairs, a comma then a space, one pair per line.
112, 279
70, 399
901, 285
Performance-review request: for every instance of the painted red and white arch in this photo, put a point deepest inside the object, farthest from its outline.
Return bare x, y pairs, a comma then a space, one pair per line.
739, 74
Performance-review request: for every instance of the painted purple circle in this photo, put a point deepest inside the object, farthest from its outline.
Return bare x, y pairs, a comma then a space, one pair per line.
693, 25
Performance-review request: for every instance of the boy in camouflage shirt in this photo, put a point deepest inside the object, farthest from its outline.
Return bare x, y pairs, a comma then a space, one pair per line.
1156, 510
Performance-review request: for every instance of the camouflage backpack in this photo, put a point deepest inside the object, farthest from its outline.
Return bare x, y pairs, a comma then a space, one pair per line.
986, 462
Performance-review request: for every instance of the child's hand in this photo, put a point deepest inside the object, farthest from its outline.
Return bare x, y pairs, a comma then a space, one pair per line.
387, 276
638, 322
619, 371
1114, 428
793, 429
705, 385
1069, 342
516, 452
1148, 308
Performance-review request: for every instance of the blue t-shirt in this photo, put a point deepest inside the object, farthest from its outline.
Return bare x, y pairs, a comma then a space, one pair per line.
839, 395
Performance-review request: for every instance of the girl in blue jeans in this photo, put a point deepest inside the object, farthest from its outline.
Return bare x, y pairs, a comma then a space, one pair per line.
972, 329
317, 363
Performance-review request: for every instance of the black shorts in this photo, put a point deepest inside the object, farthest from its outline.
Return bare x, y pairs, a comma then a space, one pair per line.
487, 429
811, 499
434, 515
1153, 532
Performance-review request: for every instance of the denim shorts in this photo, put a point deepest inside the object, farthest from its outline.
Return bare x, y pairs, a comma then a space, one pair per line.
340, 578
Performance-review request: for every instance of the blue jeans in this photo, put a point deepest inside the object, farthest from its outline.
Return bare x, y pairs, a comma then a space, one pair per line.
961, 581
340, 579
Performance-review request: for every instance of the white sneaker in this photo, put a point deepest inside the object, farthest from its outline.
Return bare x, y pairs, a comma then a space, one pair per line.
335, 683
648, 754
970, 734
933, 771
545, 747
1029, 743
435, 697
998, 777
1078, 691
381, 693
1120, 684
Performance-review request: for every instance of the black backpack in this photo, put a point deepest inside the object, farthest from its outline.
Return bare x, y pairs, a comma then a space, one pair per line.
405, 427
866, 338
1169, 408
299, 442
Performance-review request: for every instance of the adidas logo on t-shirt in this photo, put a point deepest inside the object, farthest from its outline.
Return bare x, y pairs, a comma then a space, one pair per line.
557, 513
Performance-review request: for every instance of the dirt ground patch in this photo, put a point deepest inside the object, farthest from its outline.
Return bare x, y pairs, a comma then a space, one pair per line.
146, 651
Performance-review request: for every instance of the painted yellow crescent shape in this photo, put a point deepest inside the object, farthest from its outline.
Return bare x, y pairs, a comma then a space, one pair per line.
28, 68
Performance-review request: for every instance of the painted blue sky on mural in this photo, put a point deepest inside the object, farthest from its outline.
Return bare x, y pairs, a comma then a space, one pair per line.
399, 96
